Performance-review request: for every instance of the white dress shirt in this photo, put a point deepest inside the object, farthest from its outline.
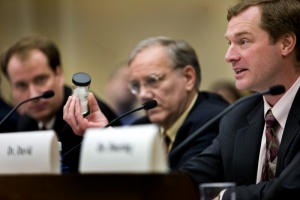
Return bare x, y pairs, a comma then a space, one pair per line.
280, 111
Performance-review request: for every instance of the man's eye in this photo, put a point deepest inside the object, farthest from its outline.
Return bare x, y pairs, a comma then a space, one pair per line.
41, 80
135, 85
152, 81
243, 42
228, 41
21, 87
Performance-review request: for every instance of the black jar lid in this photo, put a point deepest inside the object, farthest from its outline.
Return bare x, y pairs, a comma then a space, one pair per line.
81, 79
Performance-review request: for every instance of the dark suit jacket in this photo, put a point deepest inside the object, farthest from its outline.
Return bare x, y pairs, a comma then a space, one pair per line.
9, 125
233, 156
207, 106
64, 132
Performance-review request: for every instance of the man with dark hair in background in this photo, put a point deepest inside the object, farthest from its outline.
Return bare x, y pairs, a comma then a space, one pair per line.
32, 66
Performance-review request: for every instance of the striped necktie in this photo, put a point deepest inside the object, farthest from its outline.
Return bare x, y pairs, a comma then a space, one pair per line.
272, 146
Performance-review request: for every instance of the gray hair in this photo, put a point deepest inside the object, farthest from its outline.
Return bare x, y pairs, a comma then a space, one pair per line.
180, 53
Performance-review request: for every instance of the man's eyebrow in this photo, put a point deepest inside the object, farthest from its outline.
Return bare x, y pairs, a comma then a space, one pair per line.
242, 33
238, 34
41, 76
20, 83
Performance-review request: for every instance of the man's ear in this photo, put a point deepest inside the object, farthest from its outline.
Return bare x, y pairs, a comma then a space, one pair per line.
189, 74
288, 43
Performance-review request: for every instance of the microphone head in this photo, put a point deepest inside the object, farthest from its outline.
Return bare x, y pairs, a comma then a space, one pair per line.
48, 94
150, 104
277, 89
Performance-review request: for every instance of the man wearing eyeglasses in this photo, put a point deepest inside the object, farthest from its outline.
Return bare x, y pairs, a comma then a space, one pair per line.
168, 71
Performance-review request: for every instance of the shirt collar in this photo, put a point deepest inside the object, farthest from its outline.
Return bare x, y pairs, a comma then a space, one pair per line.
282, 108
49, 125
172, 131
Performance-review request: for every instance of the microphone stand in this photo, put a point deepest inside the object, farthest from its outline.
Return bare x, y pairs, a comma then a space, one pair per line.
129, 112
272, 91
46, 94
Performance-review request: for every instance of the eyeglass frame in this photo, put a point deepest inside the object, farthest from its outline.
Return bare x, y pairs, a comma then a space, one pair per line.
153, 83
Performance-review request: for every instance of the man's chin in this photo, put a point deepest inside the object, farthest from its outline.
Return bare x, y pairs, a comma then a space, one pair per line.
156, 119
39, 117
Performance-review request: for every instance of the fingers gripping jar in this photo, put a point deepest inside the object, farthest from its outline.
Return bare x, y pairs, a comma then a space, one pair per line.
81, 89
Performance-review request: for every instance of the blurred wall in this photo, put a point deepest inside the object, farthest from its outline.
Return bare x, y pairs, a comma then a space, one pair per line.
96, 35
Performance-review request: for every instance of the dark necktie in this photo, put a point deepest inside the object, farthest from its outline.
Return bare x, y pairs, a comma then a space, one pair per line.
272, 146
167, 140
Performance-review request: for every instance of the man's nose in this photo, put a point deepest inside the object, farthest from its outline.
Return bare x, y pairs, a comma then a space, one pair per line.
231, 54
33, 91
145, 92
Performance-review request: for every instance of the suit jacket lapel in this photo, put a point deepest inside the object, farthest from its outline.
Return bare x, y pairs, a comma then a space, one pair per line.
291, 130
249, 137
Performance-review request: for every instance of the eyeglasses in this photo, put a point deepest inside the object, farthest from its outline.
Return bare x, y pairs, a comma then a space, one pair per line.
152, 81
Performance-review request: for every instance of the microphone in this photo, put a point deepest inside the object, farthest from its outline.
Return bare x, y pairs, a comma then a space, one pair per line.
274, 90
46, 95
146, 106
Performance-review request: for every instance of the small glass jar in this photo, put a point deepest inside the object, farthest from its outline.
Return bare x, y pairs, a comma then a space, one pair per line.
81, 89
